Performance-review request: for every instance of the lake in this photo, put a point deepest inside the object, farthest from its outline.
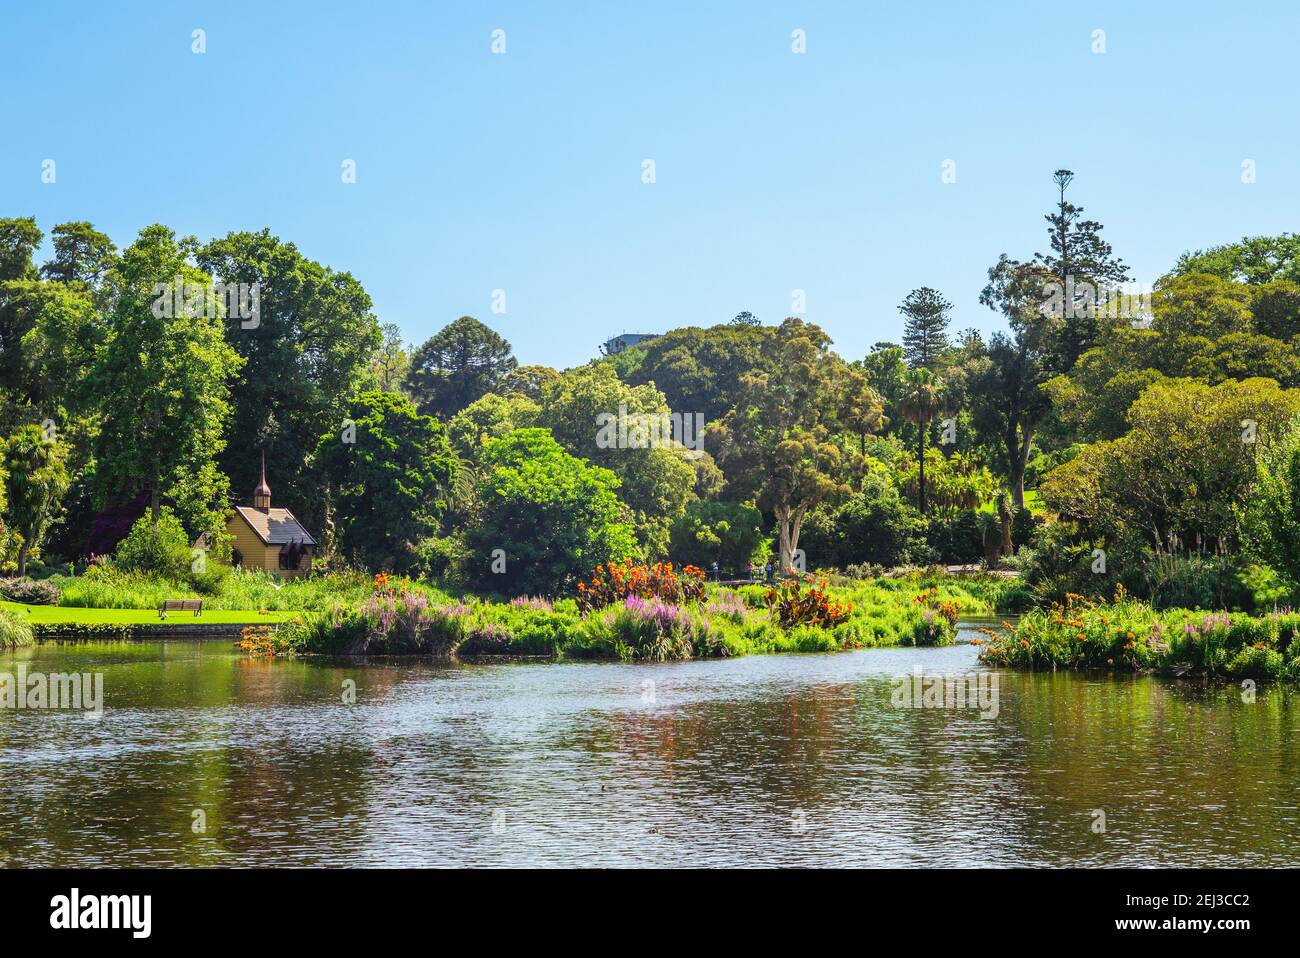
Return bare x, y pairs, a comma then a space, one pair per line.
202, 757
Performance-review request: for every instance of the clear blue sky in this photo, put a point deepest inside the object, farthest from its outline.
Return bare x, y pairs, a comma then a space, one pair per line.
775, 171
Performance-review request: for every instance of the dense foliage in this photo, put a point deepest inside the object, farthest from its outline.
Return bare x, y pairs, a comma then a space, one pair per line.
546, 517
1105, 436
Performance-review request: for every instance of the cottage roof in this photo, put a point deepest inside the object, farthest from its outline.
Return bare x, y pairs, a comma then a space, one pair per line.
275, 526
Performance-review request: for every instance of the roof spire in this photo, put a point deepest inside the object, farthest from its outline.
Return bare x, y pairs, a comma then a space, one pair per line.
262, 494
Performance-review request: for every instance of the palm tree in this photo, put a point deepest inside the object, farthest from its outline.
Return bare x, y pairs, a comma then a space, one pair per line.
921, 401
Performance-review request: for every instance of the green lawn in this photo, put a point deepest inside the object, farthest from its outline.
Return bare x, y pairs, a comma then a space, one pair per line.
59, 613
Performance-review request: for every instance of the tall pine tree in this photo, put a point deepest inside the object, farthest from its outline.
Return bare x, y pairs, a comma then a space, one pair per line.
1086, 269
925, 327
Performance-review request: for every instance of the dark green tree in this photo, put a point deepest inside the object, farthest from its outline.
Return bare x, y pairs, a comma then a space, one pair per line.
921, 401
306, 353
775, 444
553, 516
925, 327
19, 238
1084, 267
460, 363
34, 477
700, 370
391, 484
1008, 401
82, 254
161, 381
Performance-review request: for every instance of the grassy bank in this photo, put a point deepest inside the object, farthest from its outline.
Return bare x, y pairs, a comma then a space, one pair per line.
678, 616
707, 621
1128, 635
67, 615
231, 591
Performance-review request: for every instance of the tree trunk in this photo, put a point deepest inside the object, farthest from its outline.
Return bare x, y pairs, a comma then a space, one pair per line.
22, 559
155, 506
921, 467
786, 549
788, 523
1018, 441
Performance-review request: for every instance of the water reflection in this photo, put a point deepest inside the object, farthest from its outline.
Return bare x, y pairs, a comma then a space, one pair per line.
798, 760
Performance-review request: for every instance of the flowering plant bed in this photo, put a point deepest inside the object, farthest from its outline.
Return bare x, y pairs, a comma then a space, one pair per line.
1129, 635
803, 600
612, 583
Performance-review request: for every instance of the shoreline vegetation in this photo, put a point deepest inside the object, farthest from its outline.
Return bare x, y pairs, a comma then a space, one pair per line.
1123, 634
658, 613
652, 613
627, 612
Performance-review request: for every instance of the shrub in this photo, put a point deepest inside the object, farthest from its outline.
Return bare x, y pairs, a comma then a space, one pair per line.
937, 623
386, 624
650, 630
442, 559
161, 547
877, 526
1023, 527
798, 601
261, 642
614, 583
29, 592
212, 580
552, 513
99, 631
956, 538
1194, 582
44, 570
725, 604
15, 631
726, 532
489, 638
1015, 599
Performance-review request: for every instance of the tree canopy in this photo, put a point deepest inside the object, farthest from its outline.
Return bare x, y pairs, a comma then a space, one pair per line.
457, 365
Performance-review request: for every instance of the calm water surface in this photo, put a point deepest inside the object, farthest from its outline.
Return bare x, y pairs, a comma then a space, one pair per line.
767, 760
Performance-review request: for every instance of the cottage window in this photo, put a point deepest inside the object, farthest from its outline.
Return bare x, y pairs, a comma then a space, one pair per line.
291, 556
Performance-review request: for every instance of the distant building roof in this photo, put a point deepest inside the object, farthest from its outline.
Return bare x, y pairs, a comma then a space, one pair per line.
276, 526
616, 344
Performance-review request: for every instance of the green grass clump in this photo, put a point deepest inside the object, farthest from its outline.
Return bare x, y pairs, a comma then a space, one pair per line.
15, 631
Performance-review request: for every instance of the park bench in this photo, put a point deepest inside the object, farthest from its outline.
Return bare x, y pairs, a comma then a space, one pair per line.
180, 605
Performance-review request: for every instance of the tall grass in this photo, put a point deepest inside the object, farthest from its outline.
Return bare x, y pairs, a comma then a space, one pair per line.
14, 631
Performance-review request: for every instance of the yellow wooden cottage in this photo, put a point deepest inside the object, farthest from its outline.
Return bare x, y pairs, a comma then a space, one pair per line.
271, 539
